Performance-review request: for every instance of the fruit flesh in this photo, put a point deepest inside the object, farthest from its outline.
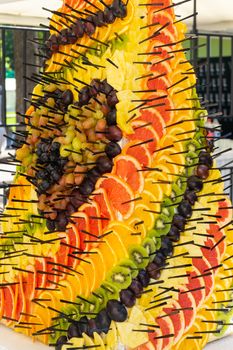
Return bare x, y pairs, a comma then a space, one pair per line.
92, 224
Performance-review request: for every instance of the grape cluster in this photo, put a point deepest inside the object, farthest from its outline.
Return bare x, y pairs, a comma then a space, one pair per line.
49, 164
82, 26
69, 146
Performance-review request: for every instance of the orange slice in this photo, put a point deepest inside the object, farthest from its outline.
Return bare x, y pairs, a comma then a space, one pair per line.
128, 169
125, 234
119, 194
145, 214
155, 189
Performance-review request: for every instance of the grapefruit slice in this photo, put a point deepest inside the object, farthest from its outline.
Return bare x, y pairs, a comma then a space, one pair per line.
139, 152
177, 318
62, 254
167, 329
95, 228
156, 120
40, 266
196, 287
9, 299
188, 306
100, 197
225, 211
80, 226
204, 270
119, 194
219, 238
156, 338
2, 305
128, 169
163, 18
21, 306
144, 133
212, 255
161, 83
162, 103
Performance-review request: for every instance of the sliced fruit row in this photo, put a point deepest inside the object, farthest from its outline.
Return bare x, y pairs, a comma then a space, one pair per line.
186, 301
126, 272
90, 39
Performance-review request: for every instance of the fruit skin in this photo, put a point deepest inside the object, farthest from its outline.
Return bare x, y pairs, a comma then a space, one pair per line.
116, 311
112, 101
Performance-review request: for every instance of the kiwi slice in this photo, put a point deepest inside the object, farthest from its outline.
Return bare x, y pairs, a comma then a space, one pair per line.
167, 207
101, 295
181, 182
90, 307
176, 194
150, 246
61, 325
199, 115
162, 224
199, 137
129, 264
192, 146
120, 276
190, 161
226, 317
111, 290
72, 311
139, 256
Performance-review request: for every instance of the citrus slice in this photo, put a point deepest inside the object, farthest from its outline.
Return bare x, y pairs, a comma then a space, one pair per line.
125, 234
81, 225
145, 214
156, 338
139, 152
10, 304
156, 120
196, 286
144, 133
106, 212
177, 319
128, 169
161, 83
160, 101
95, 228
219, 238
119, 194
187, 303
205, 272
163, 18
155, 190
167, 329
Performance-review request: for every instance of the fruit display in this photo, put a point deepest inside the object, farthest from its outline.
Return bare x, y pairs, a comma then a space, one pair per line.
117, 231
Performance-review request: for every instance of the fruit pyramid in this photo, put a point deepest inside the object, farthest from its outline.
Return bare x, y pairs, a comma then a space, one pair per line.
117, 231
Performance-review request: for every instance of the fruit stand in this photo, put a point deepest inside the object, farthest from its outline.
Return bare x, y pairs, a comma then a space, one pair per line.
117, 232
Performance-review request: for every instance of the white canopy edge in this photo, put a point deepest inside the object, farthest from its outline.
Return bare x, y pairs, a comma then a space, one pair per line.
213, 15
10, 19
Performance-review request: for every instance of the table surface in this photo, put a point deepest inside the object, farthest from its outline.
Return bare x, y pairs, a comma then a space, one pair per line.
9, 340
